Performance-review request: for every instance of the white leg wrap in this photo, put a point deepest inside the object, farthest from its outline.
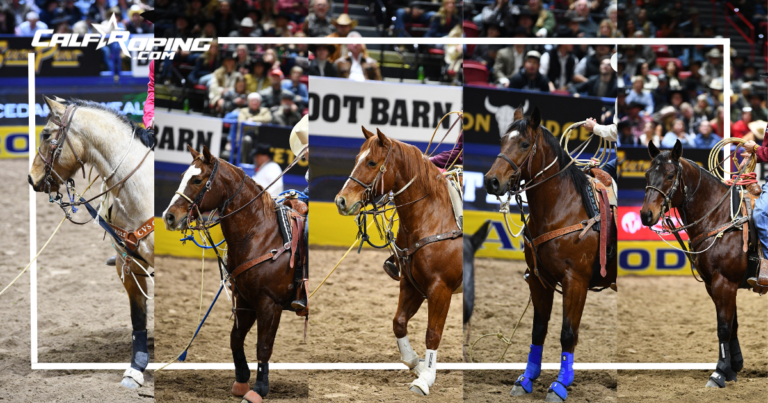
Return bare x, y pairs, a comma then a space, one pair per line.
134, 374
428, 373
407, 355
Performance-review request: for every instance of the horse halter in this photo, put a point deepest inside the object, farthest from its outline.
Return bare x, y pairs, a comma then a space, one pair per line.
667, 206
195, 204
368, 189
55, 150
518, 169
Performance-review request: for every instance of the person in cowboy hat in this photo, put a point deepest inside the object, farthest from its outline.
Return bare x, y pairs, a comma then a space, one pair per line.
712, 68
138, 25
265, 170
760, 213
609, 132
248, 28
357, 66
321, 65
319, 23
344, 25
298, 140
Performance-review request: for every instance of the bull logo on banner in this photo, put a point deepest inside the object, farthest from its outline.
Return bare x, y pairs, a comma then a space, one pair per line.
504, 114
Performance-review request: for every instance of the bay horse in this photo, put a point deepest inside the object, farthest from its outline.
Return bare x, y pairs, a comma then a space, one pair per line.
261, 273
676, 182
557, 196
81, 132
424, 208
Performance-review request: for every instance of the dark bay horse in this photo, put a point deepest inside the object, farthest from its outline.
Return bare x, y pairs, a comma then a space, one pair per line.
569, 260
264, 291
694, 192
471, 245
424, 209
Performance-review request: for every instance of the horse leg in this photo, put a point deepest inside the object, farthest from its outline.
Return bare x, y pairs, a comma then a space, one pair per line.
409, 303
133, 377
724, 296
438, 304
574, 297
737, 360
267, 322
244, 320
542, 298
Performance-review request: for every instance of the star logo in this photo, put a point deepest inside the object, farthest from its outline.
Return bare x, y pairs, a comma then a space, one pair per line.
106, 29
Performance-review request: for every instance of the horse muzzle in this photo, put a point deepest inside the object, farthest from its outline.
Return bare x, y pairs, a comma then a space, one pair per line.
39, 187
174, 223
342, 205
648, 218
494, 186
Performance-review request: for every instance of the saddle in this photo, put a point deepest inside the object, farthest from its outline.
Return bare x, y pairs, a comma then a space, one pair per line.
291, 216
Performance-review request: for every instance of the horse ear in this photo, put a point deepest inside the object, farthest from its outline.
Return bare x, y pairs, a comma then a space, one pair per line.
382, 138
55, 107
207, 156
479, 237
677, 150
535, 118
518, 113
192, 151
652, 150
367, 133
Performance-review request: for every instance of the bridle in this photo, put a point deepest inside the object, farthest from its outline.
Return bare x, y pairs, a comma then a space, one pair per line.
195, 204
368, 189
55, 149
669, 195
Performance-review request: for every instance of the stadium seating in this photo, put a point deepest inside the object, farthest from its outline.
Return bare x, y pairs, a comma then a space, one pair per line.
473, 73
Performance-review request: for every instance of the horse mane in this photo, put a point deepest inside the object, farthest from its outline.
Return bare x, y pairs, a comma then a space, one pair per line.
419, 166
143, 135
665, 156
579, 178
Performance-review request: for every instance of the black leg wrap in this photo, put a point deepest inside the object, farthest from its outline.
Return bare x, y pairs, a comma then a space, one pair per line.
262, 380
242, 373
140, 350
724, 364
737, 360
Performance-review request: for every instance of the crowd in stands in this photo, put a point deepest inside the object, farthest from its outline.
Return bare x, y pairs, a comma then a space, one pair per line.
670, 93
539, 18
563, 69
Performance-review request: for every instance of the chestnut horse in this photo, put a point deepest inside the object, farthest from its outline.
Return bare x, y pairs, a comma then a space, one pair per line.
570, 260
424, 207
264, 291
675, 182
82, 132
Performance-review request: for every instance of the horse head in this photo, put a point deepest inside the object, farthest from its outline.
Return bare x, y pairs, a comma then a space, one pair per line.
369, 178
517, 149
198, 185
663, 180
60, 146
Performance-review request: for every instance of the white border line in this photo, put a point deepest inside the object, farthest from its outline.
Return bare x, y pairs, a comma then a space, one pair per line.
725, 42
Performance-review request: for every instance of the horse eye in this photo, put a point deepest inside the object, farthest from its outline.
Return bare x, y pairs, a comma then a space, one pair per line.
371, 164
46, 135
670, 176
197, 181
525, 144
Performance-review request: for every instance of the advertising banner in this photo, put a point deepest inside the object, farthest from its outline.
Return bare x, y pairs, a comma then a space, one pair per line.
14, 141
652, 258
53, 61
407, 112
632, 229
174, 131
633, 162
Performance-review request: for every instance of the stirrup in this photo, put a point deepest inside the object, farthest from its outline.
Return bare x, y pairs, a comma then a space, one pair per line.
299, 304
111, 261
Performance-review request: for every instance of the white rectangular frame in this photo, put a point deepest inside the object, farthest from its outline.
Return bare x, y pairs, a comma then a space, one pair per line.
725, 42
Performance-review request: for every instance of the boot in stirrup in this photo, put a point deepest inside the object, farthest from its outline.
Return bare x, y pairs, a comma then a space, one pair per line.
761, 281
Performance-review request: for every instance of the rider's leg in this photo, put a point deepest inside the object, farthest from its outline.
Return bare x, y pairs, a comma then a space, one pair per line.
610, 168
760, 215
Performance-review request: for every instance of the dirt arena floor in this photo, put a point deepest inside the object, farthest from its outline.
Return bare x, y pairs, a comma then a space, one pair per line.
178, 301
351, 321
380, 386
83, 310
494, 386
672, 319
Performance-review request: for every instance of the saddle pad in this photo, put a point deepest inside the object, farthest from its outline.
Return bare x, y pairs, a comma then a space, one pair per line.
284, 222
593, 208
454, 190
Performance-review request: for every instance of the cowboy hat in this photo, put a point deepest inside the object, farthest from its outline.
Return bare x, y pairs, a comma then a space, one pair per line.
344, 19
716, 84
714, 53
758, 128
299, 135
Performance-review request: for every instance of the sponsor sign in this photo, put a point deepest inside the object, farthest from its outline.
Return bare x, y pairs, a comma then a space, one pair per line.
338, 107
173, 133
50, 60
632, 229
500, 243
14, 141
329, 228
14, 109
651, 258
633, 162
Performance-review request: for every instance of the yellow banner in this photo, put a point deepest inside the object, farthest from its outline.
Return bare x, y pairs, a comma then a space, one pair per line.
328, 228
168, 242
14, 141
499, 244
651, 258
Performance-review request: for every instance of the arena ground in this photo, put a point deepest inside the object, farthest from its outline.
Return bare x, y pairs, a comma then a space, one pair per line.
83, 310
672, 319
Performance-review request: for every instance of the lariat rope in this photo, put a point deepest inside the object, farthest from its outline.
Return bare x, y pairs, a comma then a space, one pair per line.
500, 335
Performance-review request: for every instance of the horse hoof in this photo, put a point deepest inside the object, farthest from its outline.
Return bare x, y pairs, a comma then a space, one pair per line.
130, 383
553, 397
420, 387
518, 390
712, 384
239, 389
251, 397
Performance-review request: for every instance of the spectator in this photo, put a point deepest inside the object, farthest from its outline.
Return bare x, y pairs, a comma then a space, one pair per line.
508, 62
630, 54
224, 79
248, 28
756, 102
137, 25
573, 24
295, 10
7, 21
498, 14
31, 25
244, 60
235, 97
410, 15
205, 65
444, 20
703, 110
650, 81
712, 68
321, 66
586, 24
589, 65
688, 118
741, 128
525, 21
60, 23
197, 16
282, 29
266, 170
273, 95
678, 133
344, 25
319, 23
254, 112
692, 27
606, 29
97, 12
529, 78
673, 75
268, 18
662, 93
257, 80
545, 19
357, 66
641, 96
649, 134
558, 65
225, 19
48, 12
636, 123
602, 85
295, 85
20, 10
287, 114
718, 123
705, 138
180, 29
